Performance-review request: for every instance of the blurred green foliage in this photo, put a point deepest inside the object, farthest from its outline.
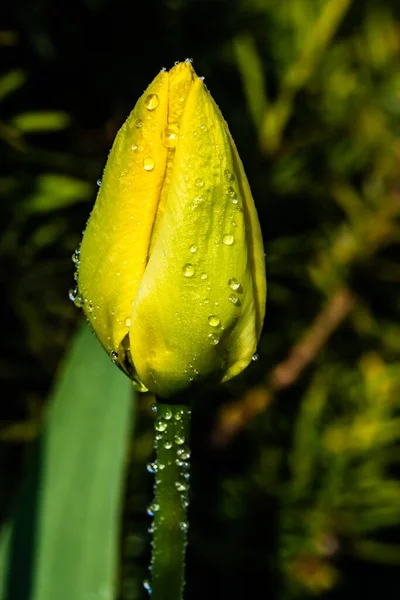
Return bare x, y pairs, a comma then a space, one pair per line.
295, 485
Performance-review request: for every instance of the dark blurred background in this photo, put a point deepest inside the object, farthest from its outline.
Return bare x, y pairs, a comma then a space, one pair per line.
295, 487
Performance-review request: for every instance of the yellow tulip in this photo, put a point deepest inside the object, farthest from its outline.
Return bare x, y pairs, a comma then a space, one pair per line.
171, 273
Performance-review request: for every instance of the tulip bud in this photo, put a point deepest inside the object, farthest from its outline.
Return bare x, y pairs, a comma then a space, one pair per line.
172, 274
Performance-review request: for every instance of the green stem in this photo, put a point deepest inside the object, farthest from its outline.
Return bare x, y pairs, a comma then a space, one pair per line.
170, 502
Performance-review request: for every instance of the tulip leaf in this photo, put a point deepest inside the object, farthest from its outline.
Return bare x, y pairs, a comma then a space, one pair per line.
62, 542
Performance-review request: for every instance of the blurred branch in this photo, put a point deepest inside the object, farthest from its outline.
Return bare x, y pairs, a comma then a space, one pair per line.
235, 416
300, 71
307, 349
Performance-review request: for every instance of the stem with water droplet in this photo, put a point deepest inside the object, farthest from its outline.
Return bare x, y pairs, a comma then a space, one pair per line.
170, 501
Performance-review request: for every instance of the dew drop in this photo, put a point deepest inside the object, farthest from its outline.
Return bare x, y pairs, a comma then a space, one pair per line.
75, 256
152, 467
151, 102
90, 307
255, 357
114, 356
128, 322
134, 147
153, 508
160, 424
178, 415
139, 123
179, 439
189, 60
228, 175
148, 163
184, 525
184, 453
228, 239
169, 136
188, 270
99, 182
231, 192
72, 294
235, 201
78, 301
194, 132
213, 321
203, 127
154, 407
234, 299
214, 340
234, 284
199, 182
181, 487
167, 414
168, 445
193, 249
147, 586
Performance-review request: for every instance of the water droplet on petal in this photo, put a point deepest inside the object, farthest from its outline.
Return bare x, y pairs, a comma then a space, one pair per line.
199, 182
234, 284
213, 321
154, 407
255, 357
234, 299
168, 445
203, 127
99, 182
178, 415
231, 192
169, 136
193, 249
203, 276
139, 123
72, 294
184, 525
148, 163
179, 439
151, 102
229, 176
75, 256
114, 356
188, 270
128, 322
167, 414
214, 339
134, 147
228, 239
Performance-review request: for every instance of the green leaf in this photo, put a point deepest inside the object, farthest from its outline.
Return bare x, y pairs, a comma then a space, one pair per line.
40, 122
11, 82
55, 192
62, 543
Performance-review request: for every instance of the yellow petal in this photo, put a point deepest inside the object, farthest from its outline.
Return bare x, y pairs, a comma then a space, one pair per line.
114, 249
199, 309
172, 271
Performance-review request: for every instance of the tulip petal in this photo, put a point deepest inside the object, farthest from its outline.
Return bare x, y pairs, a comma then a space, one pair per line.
197, 311
114, 250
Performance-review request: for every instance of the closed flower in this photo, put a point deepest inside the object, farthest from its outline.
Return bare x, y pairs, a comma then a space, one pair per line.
171, 273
